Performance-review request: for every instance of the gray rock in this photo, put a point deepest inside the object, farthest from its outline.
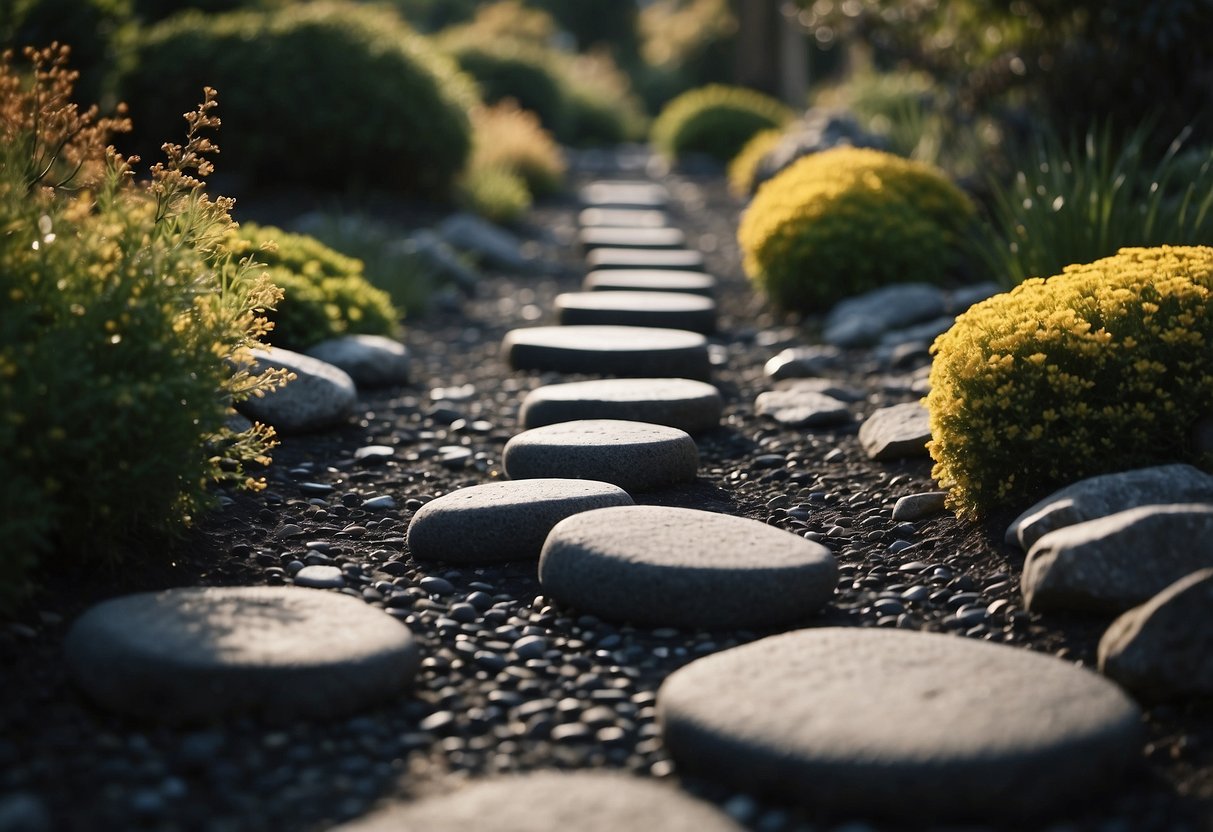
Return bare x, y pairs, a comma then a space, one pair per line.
1112, 563
860, 321
872, 721
632, 455
438, 255
622, 218
502, 521
642, 238
1164, 648
926, 331
321, 396
320, 576
898, 432
801, 362
538, 802
494, 246
802, 408
609, 350
692, 406
1107, 494
650, 280
819, 129
282, 652
677, 567
669, 310
917, 506
370, 360
631, 194
959, 300
676, 259
824, 386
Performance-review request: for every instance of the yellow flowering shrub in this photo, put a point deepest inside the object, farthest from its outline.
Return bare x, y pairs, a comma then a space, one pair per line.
715, 120
507, 137
745, 163
1104, 367
847, 220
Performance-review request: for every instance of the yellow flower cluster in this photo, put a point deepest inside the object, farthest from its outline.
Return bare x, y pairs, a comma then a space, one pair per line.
1105, 367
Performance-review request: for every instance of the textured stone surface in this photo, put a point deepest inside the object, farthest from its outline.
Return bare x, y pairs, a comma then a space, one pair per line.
917, 506
678, 259
818, 129
668, 310
554, 802
370, 360
632, 455
321, 395
650, 280
502, 521
622, 218
1164, 648
609, 350
802, 408
693, 406
679, 567
624, 194
190, 654
1107, 494
898, 432
801, 362
861, 320
825, 386
643, 238
897, 723
1112, 563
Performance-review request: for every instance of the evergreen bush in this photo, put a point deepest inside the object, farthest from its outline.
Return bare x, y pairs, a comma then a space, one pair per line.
715, 120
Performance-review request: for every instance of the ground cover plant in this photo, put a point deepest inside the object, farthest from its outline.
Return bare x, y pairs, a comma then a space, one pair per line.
716, 121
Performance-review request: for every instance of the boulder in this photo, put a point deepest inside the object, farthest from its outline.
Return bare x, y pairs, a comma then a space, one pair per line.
321, 396
861, 321
370, 360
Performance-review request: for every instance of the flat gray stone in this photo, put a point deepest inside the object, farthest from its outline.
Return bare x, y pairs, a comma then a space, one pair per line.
370, 360
494, 245
609, 350
668, 310
680, 567
320, 576
632, 455
677, 259
801, 362
824, 386
692, 406
1112, 563
860, 321
874, 721
321, 396
625, 194
502, 521
281, 652
802, 408
643, 238
898, 432
1107, 494
1164, 648
622, 218
650, 280
918, 506
550, 801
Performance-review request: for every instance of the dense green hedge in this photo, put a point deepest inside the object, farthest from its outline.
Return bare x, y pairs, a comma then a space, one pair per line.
715, 120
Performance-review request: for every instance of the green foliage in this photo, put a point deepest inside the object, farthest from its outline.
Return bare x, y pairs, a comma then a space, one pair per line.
328, 95
715, 120
497, 194
846, 220
1104, 367
125, 329
508, 70
510, 139
325, 293
602, 108
683, 44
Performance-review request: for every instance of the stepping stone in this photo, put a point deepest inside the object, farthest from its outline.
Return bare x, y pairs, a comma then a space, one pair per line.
692, 406
502, 521
632, 455
546, 801
802, 408
609, 350
205, 653
622, 218
625, 194
898, 432
650, 280
370, 360
873, 721
677, 259
679, 567
641, 238
669, 310
321, 396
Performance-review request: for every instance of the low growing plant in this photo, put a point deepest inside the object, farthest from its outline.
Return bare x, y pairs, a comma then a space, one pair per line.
512, 139
715, 120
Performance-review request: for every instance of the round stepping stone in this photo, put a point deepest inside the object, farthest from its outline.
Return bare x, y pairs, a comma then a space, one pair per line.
693, 406
632, 455
609, 350
669, 310
622, 218
680, 567
897, 723
650, 280
203, 653
678, 259
503, 521
583, 801
640, 238
625, 194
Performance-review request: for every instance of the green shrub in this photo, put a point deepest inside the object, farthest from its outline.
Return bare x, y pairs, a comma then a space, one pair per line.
684, 44
326, 95
744, 165
715, 120
1104, 367
507, 138
602, 109
497, 194
325, 293
124, 333
508, 70
847, 220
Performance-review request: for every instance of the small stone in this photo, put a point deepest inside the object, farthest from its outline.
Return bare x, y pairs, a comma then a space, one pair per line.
898, 432
692, 406
288, 531
530, 647
320, 577
436, 586
678, 259
650, 280
802, 362
321, 396
644, 352
802, 408
374, 453
370, 360
918, 506
670, 310
384, 502
860, 321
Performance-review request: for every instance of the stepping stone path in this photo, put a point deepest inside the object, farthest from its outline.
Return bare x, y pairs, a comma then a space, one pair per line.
632, 455
641, 238
503, 521
321, 396
902, 724
609, 350
678, 567
669, 310
650, 280
678, 259
692, 406
622, 218
194, 654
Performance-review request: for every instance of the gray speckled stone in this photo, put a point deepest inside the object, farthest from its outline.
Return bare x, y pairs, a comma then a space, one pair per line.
678, 259
370, 360
609, 350
897, 723
861, 320
679, 567
650, 280
644, 238
917, 506
283, 652
670, 310
898, 432
550, 801
321, 396
635, 456
693, 406
624, 194
622, 218
502, 521
825, 386
802, 408
800, 362
320, 576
